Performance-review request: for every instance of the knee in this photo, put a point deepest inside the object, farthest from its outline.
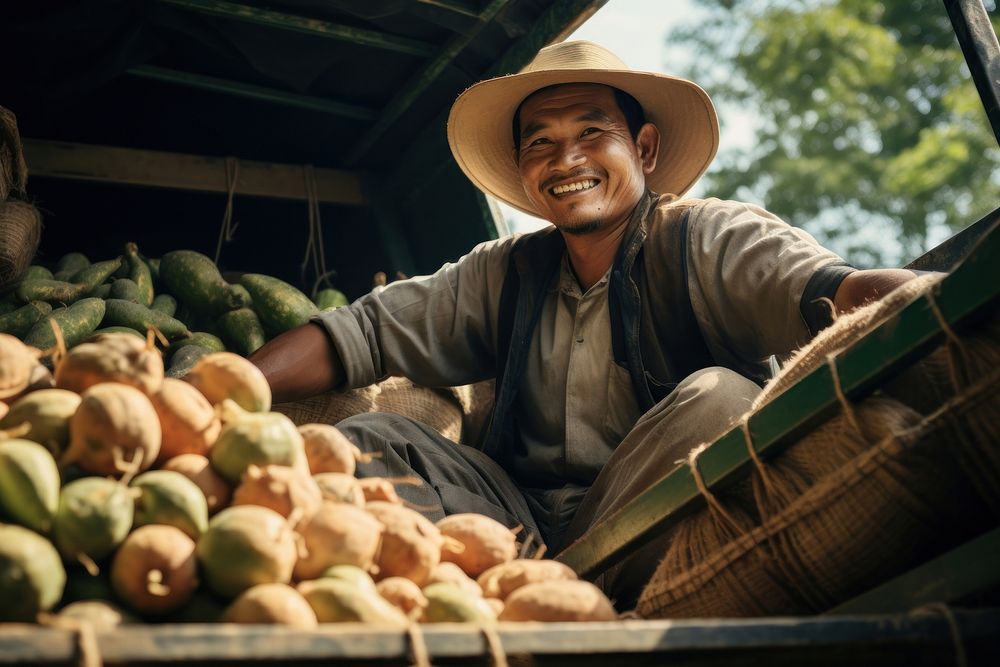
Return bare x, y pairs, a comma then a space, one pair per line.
367, 427
715, 393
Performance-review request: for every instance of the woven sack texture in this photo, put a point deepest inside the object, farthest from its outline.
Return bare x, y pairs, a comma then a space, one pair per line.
13, 170
887, 509
437, 408
870, 493
20, 232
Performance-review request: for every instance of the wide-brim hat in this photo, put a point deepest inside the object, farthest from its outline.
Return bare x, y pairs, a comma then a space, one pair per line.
481, 139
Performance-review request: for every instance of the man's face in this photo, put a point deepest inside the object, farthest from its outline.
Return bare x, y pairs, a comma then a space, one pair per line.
578, 162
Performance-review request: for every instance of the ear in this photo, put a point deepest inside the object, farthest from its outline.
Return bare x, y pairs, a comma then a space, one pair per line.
647, 143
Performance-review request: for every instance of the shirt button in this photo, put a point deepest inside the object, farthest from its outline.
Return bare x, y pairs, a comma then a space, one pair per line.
579, 340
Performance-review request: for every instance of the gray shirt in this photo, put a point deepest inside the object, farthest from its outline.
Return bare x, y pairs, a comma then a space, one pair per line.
747, 271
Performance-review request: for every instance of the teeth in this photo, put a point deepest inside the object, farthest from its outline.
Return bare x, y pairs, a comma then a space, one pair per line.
573, 187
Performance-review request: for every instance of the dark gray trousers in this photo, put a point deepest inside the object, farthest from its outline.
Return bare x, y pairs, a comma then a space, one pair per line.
458, 478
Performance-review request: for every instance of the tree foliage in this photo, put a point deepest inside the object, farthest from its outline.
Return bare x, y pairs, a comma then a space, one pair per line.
868, 116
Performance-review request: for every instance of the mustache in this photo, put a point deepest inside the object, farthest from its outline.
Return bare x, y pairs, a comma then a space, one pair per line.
579, 173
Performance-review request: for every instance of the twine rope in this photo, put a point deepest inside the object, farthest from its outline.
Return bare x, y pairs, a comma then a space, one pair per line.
498, 657
88, 651
953, 343
852, 417
227, 230
942, 608
419, 654
315, 252
709, 497
765, 477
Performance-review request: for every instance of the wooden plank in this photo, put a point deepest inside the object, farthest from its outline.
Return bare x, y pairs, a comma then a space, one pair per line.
971, 568
305, 25
55, 159
585, 643
973, 286
252, 92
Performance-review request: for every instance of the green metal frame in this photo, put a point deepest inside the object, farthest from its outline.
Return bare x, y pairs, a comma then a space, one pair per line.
308, 26
973, 287
957, 575
253, 92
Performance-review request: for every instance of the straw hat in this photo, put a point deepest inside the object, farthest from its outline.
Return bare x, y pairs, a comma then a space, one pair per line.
479, 126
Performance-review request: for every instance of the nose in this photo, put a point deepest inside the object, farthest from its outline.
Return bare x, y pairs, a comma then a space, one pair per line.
568, 155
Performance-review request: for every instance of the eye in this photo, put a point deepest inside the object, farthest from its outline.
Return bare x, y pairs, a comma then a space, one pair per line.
590, 130
538, 142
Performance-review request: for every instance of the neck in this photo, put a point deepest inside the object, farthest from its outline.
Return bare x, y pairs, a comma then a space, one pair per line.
592, 254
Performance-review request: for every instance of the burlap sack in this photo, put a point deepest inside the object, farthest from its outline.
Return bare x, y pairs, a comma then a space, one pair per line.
814, 544
20, 232
476, 401
437, 408
13, 170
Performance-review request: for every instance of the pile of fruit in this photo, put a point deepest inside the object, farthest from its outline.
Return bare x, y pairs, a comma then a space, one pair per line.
126, 495
182, 295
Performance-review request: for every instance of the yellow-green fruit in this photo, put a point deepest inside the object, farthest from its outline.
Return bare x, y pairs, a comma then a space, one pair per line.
103, 615
256, 438
29, 484
169, 498
155, 570
94, 516
47, 412
352, 574
31, 575
447, 603
225, 375
272, 604
336, 601
245, 546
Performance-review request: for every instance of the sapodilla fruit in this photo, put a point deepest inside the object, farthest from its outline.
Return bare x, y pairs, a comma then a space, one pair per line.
47, 413
337, 534
111, 357
329, 450
199, 470
17, 362
449, 573
188, 421
340, 488
272, 604
93, 518
115, 430
352, 574
411, 544
255, 438
169, 498
501, 580
403, 594
155, 570
558, 601
225, 375
487, 542
288, 491
31, 575
29, 484
245, 546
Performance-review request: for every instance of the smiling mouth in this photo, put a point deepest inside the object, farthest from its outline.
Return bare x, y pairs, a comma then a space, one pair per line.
576, 186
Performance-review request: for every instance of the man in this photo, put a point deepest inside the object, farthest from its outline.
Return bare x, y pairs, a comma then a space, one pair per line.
636, 328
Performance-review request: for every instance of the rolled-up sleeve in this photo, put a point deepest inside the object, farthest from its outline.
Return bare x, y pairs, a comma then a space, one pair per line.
437, 330
748, 272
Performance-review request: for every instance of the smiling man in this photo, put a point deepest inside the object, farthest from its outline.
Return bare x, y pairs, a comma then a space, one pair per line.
637, 327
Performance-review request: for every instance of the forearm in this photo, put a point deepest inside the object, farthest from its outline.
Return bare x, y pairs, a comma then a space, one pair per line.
300, 363
863, 287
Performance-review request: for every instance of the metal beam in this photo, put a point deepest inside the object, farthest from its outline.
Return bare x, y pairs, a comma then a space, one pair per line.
109, 164
452, 6
252, 92
419, 83
316, 27
982, 52
973, 286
